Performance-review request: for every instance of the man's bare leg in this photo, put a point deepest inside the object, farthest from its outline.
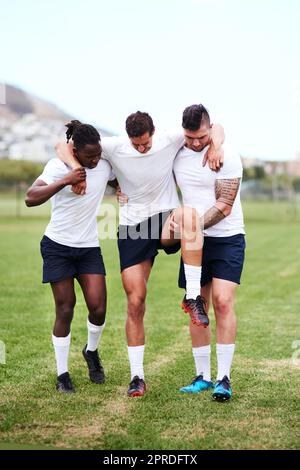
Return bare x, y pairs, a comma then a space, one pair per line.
65, 300
201, 338
223, 296
183, 225
135, 280
187, 223
94, 290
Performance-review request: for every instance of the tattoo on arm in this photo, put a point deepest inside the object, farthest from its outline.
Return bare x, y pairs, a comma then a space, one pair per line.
226, 190
212, 217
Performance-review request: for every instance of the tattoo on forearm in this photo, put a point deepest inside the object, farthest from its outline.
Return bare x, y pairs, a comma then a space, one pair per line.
212, 217
226, 190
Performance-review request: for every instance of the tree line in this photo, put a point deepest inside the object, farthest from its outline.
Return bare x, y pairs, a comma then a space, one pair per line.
19, 172
13, 172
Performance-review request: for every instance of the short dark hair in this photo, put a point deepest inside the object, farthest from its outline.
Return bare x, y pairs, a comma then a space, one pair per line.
82, 134
137, 124
194, 117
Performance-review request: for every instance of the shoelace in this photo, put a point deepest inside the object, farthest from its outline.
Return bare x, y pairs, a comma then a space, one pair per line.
199, 377
225, 383
135, 382
201, 302
67, 381
96, 359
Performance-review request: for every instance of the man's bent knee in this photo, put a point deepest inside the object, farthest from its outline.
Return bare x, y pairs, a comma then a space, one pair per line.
187, 217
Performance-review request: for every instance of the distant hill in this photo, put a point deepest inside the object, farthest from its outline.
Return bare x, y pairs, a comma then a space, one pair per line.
30, 127
19, 103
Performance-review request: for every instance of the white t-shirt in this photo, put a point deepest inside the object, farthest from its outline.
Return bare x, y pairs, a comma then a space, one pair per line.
197, 185
147, 179
74, 218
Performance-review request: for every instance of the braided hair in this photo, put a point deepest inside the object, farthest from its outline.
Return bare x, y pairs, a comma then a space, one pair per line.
82, 134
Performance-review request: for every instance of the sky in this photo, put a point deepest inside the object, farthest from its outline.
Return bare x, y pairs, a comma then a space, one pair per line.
102, 60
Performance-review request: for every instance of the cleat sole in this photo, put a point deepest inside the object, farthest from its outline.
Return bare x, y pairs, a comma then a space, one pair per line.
99, 382
220, 397
136, 394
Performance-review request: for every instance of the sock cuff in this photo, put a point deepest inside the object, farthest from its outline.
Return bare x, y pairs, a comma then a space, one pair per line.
61, 341
191, 268
201, 350
94, 328
136, 348
225, 347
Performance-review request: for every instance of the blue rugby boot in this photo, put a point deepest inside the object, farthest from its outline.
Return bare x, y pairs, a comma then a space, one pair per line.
222, 390
198, 385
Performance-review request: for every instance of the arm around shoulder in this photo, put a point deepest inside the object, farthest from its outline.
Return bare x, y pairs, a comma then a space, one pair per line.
65, 153
40, 192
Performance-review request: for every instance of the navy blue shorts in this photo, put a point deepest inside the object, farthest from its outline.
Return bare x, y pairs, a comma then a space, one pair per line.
223, 258
138, 243
62, 262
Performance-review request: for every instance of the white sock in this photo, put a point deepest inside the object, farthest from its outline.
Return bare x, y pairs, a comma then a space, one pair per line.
224, 356
193, 279
61, 348
94, 335
202, 361
136, 359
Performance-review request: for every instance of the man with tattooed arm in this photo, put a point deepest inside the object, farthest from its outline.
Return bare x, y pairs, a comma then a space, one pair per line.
216, 197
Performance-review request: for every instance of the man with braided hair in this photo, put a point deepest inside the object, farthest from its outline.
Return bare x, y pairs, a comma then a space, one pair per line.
70, 246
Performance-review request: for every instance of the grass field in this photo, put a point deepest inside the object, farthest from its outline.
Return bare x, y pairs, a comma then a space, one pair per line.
264, 411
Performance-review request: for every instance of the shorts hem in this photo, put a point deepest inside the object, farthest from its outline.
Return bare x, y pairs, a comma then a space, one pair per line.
203, 284
222, 278
64, 278
138, 261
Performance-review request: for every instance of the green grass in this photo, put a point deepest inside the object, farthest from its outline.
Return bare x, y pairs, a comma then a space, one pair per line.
264, 411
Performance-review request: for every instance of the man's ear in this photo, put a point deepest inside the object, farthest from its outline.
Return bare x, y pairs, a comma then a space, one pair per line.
75, 152
153, 132
211, 125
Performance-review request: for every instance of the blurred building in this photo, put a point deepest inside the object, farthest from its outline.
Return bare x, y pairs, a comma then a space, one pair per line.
249, 162
284, 167
30, 127
289, 168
